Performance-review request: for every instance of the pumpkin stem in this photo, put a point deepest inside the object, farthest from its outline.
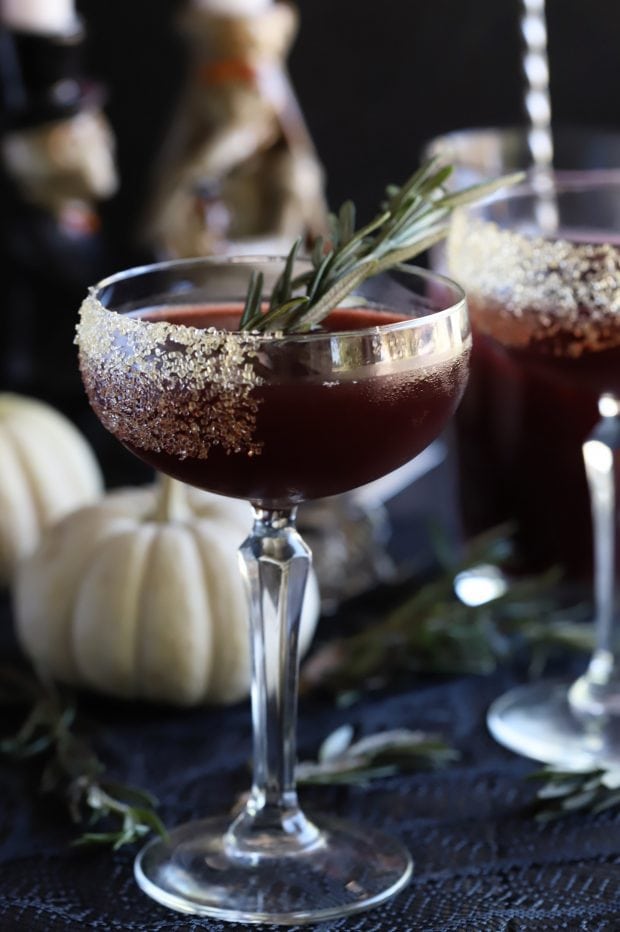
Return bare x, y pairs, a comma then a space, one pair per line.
172, 500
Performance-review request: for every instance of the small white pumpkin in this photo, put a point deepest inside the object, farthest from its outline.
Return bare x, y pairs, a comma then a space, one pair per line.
140, 597
46, 470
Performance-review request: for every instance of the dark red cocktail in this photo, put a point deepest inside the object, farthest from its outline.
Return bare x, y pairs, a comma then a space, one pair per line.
524, 418
322, 424
546, 345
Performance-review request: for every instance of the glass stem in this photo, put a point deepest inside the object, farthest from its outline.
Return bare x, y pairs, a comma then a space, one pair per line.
275, 563
597, 692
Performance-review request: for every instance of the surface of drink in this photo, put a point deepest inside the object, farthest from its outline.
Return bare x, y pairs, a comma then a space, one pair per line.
311, 417
531, 402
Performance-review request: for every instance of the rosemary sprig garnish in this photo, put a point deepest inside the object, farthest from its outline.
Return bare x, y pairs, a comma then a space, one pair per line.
342, 760
413, 218
565, 792
434, 631
71, 768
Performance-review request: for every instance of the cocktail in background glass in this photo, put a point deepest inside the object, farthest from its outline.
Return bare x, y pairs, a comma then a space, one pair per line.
486, 499
546, 325
545, 310
276, 419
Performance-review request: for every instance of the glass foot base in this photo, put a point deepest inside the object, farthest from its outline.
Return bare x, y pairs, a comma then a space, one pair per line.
350, 869
537, 721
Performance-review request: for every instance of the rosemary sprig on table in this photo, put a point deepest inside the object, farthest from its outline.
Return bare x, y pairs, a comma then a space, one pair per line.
342, 760
565, 792
71, 768
432, 630
412, 218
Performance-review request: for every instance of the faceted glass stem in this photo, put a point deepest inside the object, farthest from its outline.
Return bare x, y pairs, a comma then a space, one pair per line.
597, 692
274, 563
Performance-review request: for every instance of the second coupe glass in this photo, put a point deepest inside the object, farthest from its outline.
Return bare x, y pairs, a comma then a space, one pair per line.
540, 429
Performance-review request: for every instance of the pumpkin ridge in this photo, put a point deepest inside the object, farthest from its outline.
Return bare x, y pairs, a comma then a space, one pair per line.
61, 432
138, 633
226, 639
148, 665
89, 558
129, 586
45, 589
141, 617
19, 450
48, 469
56, 483
215, 641
15, 506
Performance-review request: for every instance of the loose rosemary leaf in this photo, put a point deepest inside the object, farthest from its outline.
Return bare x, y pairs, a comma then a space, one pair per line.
565, 792
342, 760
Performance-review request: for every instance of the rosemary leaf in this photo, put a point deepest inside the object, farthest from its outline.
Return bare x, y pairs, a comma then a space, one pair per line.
251, 311
406, 253
341, 760
565, 792
478, 191
356, 243
346, 220
321, 271
282, 291
336, 294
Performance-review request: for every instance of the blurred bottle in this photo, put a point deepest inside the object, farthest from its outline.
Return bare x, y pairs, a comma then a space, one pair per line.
239, 166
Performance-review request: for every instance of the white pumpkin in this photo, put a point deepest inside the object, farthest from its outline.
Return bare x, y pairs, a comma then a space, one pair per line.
46, 470
141, 597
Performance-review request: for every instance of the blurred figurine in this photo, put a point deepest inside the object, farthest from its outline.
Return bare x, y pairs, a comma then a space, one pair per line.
56, 165
63, 166
241, 164
56, 144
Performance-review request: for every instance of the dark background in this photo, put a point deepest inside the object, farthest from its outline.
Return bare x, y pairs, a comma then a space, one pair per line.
374, 79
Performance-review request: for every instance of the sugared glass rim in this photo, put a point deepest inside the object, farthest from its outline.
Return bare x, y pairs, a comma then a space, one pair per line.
457, 307
501, 251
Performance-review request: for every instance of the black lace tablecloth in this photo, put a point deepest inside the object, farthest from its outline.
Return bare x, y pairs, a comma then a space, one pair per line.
481, 862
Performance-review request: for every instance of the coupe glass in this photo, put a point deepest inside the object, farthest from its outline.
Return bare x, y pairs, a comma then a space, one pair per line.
542, 401
275, 420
